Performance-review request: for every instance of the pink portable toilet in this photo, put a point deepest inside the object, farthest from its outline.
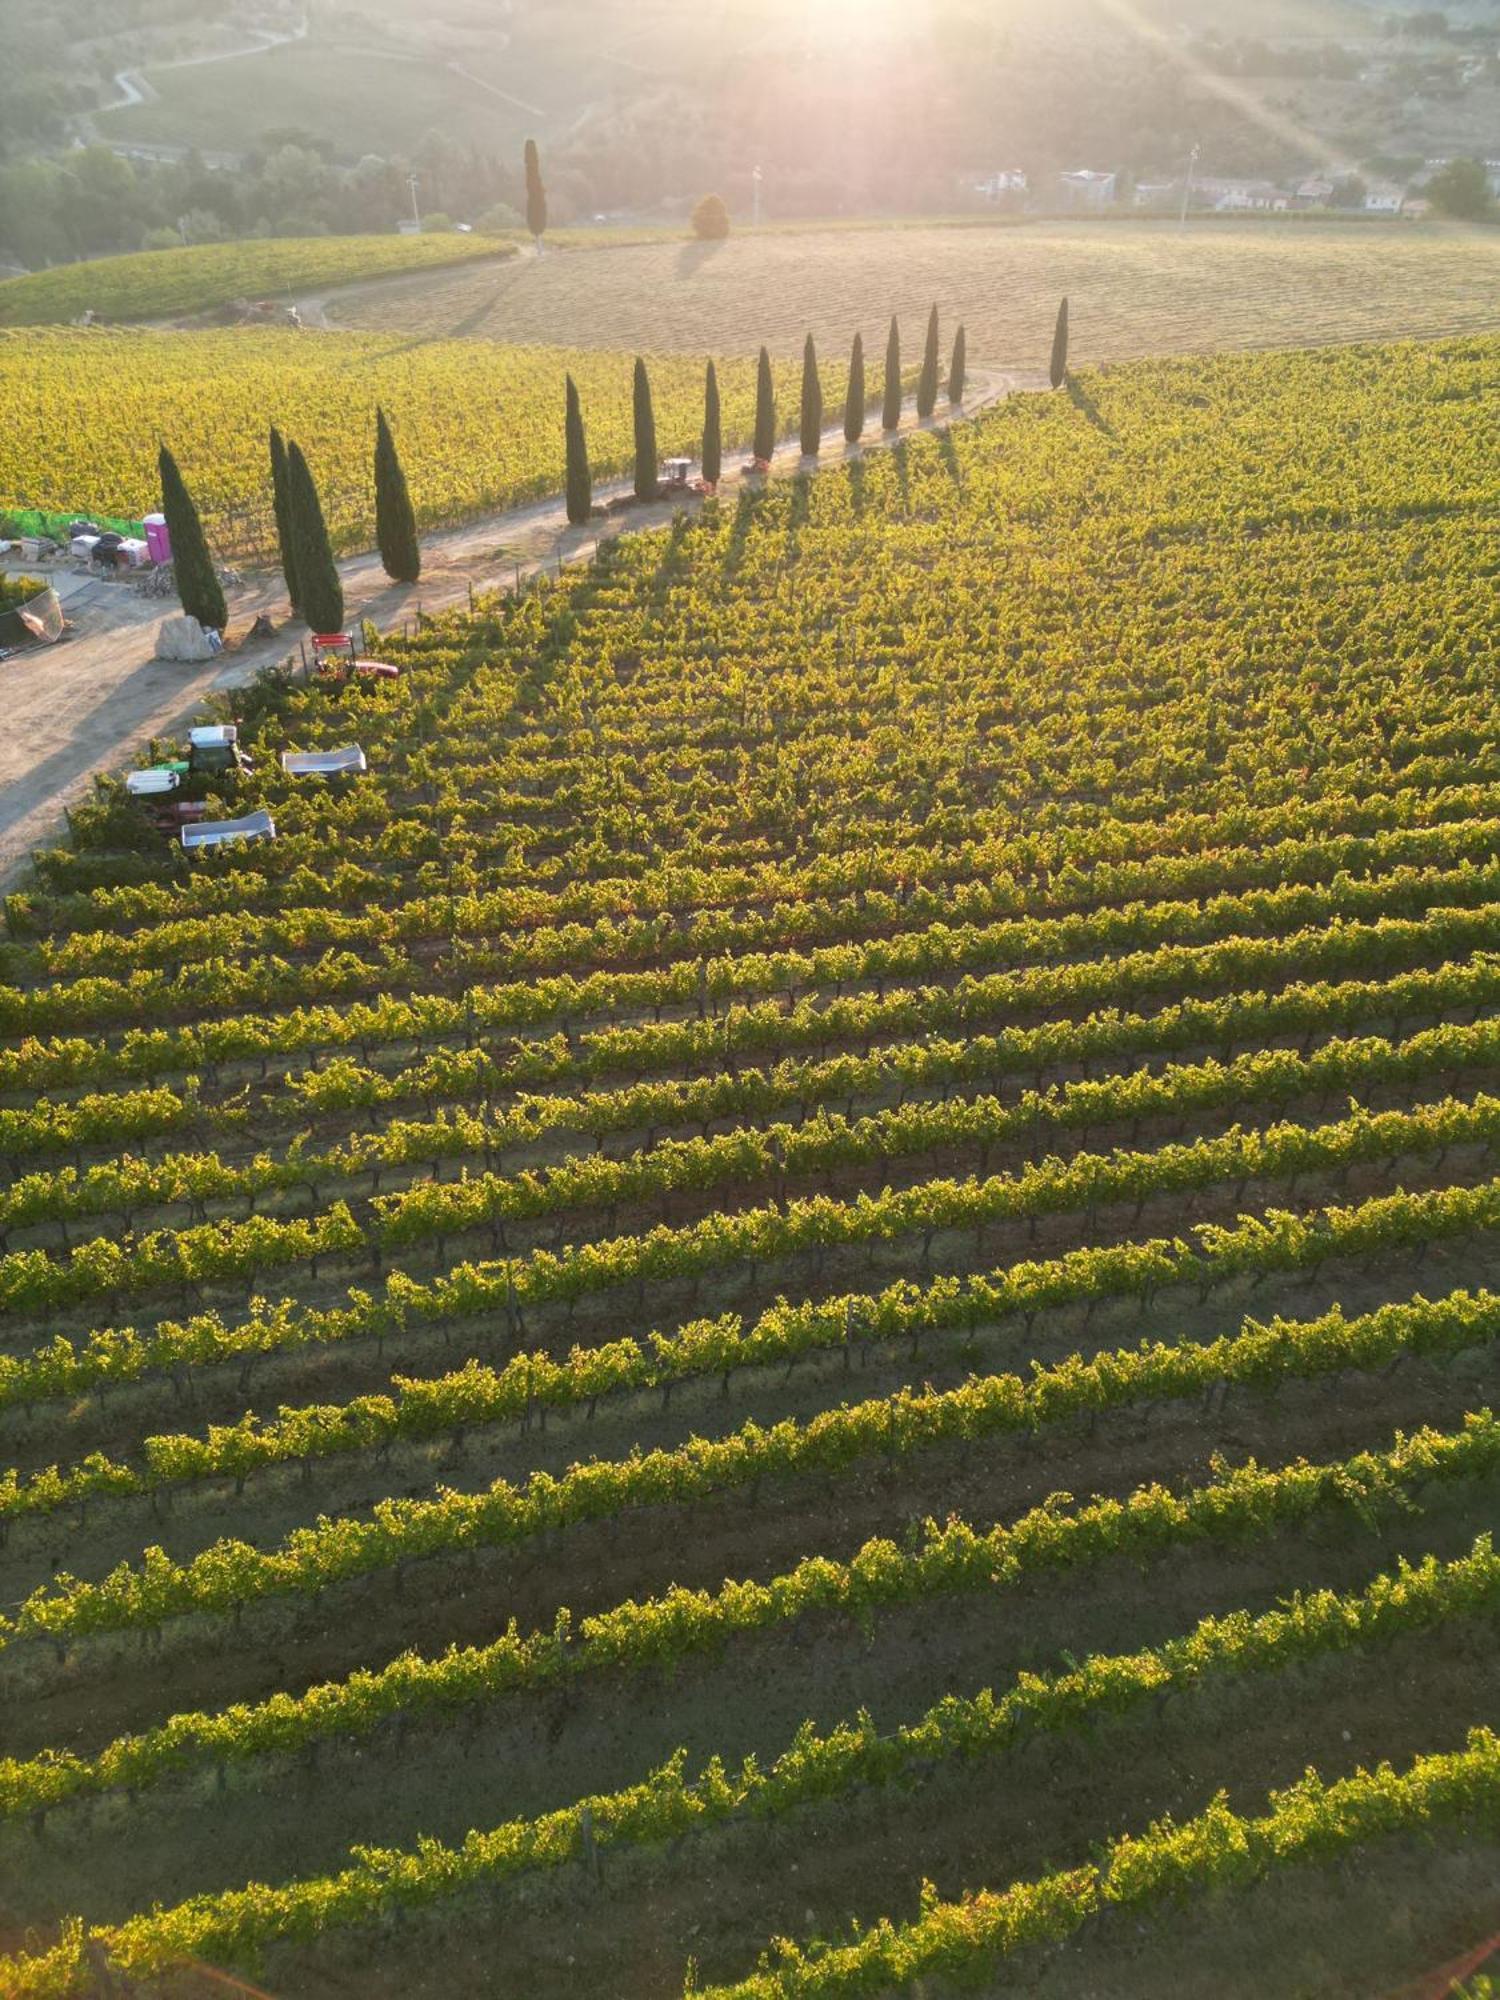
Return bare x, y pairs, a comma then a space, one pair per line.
158, 541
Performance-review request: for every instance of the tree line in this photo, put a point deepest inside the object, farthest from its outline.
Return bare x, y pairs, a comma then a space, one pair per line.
579, 484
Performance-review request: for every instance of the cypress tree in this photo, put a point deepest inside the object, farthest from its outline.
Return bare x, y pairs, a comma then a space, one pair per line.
198, 584
536, 194
395, 521
927, 382
854, 401
957, 371
765, 409
1060, 347
646, 466
281, 500
890, 410
713, 435
322, 595
580, 480
812, 402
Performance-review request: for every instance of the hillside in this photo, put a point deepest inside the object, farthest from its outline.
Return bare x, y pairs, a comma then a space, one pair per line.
836, 1234
159, 284
470, 362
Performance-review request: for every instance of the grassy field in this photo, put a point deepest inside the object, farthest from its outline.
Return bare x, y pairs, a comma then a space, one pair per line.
357, 99
837, 1233
480, 427
1136, 289
158, 284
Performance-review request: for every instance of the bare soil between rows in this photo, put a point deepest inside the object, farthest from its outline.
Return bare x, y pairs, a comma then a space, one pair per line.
117, 1682
717, 1896
529, 1753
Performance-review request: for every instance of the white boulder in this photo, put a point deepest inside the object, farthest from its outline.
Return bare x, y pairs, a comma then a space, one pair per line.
182, 638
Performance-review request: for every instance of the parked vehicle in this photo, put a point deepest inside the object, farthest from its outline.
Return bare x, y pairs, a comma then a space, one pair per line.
215, 749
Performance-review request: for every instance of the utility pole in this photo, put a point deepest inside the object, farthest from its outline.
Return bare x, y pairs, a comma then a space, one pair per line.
1187, 192
755, 180
416, 213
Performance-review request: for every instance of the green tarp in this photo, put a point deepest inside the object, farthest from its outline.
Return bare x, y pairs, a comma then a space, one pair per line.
18, 521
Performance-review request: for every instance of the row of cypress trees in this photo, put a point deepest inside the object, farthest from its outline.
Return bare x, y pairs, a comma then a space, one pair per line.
580, 488
312, 577
307, 563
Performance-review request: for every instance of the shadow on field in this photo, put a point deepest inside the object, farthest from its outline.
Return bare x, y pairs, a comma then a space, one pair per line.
948, 453
693, 256
901, 461
797, 515
744, 516
1080, 398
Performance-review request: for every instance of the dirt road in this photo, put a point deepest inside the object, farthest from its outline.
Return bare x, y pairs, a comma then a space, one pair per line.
92, 702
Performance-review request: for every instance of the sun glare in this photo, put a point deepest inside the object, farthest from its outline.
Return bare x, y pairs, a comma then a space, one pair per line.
829, 19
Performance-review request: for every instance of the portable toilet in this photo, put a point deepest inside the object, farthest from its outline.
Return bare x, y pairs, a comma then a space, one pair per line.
158, 539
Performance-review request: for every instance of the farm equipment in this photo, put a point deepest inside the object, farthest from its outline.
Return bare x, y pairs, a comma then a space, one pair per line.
170, 794
348, 761
336, 660
157, 792
215, 833
677, 477
214, 751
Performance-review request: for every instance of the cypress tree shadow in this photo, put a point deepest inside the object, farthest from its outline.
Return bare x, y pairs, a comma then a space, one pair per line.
744, 516
948, 453
1080, 398
678, 553
693, 256
900, 458
797, 513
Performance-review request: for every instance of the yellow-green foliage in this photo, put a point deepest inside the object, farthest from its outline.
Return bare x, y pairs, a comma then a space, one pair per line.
155, 283
478, 426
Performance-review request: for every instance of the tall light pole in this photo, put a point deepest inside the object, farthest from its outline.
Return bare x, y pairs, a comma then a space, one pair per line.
416, 213
1187, 192
755, 180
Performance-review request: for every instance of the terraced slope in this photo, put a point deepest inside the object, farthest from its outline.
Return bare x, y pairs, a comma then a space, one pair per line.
838, 1233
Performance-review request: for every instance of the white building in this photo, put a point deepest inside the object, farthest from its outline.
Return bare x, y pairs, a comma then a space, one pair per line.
1008, 181
1239, 197
1087, 187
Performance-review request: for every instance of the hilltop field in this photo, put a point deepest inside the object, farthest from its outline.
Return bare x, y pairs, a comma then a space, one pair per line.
1138, 288
821, 1269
